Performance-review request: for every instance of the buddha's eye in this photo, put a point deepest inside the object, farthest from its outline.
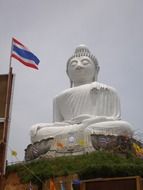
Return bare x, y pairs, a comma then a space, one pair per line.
85, 62
73, 63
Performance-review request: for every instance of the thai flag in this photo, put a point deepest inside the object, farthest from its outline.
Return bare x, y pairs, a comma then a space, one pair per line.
23, 54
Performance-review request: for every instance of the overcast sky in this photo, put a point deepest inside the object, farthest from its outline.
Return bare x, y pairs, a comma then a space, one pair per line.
52, 29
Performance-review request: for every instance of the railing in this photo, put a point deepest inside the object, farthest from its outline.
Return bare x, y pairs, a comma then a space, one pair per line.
15, 162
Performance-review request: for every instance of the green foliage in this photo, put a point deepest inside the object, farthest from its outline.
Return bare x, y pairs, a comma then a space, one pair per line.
117, 170
96, 164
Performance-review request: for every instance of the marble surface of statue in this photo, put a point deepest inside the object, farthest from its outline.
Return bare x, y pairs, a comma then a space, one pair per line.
87, 107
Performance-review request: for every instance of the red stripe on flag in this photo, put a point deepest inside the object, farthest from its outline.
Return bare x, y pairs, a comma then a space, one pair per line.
16, 41
25, 63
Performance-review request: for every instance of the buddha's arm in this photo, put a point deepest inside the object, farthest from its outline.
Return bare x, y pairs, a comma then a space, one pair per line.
109, 105
115, 105
57, 117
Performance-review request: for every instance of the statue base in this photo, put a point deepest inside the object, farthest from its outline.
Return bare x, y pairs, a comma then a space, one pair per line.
69, 146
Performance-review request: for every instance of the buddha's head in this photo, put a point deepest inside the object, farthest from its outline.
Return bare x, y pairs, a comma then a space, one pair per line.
82, 67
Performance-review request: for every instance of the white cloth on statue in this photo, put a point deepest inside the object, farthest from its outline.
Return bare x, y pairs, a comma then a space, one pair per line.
94, 99
91, 107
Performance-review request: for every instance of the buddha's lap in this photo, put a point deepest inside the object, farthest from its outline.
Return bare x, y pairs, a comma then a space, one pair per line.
113, 125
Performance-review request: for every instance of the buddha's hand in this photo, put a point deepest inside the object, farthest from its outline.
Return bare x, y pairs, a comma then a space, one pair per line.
97, 119
79, 119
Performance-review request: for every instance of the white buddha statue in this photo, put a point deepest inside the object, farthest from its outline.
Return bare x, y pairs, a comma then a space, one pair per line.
88, 106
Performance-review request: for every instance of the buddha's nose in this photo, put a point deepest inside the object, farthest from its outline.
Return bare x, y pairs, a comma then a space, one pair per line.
79, 66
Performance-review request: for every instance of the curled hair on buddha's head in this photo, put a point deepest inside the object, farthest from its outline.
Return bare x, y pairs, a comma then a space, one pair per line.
82, 50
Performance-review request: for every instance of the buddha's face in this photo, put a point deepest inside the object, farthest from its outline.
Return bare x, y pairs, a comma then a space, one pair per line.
81, 70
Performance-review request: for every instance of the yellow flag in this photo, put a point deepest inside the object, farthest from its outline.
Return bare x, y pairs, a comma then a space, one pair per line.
13, 153
81, 142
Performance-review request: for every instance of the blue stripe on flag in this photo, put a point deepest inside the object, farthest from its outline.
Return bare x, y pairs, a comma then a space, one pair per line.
26, 54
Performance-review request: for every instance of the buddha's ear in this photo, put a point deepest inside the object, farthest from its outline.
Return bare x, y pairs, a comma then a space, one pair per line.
71, 82
67, 72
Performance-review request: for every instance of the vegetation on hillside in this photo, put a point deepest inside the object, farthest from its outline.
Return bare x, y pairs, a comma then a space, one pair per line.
93, 165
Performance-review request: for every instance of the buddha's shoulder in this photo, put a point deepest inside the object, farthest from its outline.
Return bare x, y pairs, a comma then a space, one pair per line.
66, 92
103, 86
85, 87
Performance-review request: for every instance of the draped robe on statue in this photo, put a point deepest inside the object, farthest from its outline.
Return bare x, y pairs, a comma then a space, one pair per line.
92, 108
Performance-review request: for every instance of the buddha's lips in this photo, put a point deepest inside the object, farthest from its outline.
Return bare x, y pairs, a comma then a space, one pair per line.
79, 69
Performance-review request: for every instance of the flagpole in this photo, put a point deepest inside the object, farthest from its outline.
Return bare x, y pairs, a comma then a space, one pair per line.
8, 97
6, 121
10, 59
